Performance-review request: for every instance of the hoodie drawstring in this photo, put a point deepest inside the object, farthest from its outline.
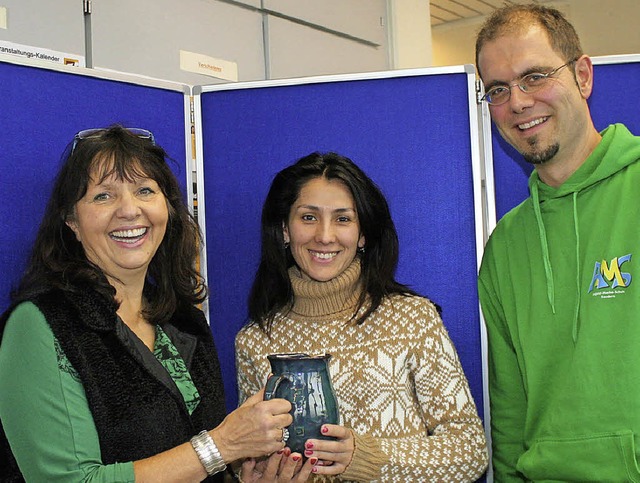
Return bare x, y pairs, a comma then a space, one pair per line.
547, 262
545, 247
576, 309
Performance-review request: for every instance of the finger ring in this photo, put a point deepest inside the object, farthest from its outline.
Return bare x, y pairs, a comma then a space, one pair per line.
285, 435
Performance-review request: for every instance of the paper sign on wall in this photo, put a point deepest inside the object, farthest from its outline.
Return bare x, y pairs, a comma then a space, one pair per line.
203, 64
37, 53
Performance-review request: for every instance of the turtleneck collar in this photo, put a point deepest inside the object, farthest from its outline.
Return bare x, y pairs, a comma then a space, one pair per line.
318, 300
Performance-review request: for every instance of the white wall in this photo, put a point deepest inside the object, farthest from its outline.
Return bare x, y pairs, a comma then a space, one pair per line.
56, 27
607, 27
332, 37
146, 36
410, 33
294, 38
298, 38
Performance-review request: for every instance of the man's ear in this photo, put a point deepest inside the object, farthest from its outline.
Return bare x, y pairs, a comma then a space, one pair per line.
584, 75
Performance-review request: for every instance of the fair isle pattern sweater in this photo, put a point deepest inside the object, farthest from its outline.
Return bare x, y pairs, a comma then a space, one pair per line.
397, 378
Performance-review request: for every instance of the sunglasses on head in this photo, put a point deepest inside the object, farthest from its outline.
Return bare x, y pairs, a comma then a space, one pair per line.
98, 132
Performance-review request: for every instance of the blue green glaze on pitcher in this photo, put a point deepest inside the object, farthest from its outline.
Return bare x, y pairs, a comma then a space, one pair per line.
305, 382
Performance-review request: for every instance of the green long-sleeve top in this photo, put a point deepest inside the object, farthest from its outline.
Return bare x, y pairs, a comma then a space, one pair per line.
44, 410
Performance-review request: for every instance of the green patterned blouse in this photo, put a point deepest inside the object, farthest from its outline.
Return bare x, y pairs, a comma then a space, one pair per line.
170, 358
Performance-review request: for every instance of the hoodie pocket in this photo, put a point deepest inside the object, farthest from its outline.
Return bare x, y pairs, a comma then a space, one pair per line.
606, 457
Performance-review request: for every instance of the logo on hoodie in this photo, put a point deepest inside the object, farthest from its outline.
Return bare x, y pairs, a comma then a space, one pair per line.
610, 276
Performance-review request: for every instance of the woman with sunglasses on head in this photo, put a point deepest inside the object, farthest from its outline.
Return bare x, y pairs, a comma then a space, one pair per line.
108, 370
325, 284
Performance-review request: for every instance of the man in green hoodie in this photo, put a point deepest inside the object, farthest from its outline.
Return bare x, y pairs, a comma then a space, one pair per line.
556, 282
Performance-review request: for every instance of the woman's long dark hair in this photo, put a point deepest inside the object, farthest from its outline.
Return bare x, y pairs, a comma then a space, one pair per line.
58, 259
271, 292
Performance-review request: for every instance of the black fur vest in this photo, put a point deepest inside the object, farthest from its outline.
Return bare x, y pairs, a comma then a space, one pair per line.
137, 409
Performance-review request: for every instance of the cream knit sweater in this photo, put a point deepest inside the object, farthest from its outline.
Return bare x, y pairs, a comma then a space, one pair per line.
397, 378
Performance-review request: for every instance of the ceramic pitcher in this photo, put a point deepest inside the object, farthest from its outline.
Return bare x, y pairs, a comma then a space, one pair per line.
305, 382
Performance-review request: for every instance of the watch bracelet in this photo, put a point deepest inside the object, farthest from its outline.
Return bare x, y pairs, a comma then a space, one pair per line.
208, 453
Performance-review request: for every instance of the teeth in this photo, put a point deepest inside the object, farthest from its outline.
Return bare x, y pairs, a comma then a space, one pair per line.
528, 125
324, 256
127, 235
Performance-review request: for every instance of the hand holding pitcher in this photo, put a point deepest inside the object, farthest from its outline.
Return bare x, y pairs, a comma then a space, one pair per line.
305, 382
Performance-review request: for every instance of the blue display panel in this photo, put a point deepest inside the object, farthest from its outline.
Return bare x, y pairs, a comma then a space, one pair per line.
410, 134
41, 111
614, 99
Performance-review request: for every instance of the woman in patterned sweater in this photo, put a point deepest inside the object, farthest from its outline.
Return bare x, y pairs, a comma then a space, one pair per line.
326, 284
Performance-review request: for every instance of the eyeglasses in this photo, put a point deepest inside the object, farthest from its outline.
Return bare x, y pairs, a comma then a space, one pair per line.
97, 132
528, 84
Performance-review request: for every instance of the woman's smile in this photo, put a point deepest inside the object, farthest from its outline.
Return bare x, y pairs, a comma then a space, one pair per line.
323, 229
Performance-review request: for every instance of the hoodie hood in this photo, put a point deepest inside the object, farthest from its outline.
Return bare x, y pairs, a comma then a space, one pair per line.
617, 150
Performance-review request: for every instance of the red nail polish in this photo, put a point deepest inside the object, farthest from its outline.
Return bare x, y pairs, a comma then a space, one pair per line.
308, 452
325, 429
314, 469
313, 461
308, 445
295, 457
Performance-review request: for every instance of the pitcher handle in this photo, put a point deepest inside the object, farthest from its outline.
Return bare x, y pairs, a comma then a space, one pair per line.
274, 382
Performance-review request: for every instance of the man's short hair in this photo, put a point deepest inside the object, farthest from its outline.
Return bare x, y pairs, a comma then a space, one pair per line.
518, 18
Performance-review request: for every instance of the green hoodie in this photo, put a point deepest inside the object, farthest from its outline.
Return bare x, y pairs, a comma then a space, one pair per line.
563, 319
